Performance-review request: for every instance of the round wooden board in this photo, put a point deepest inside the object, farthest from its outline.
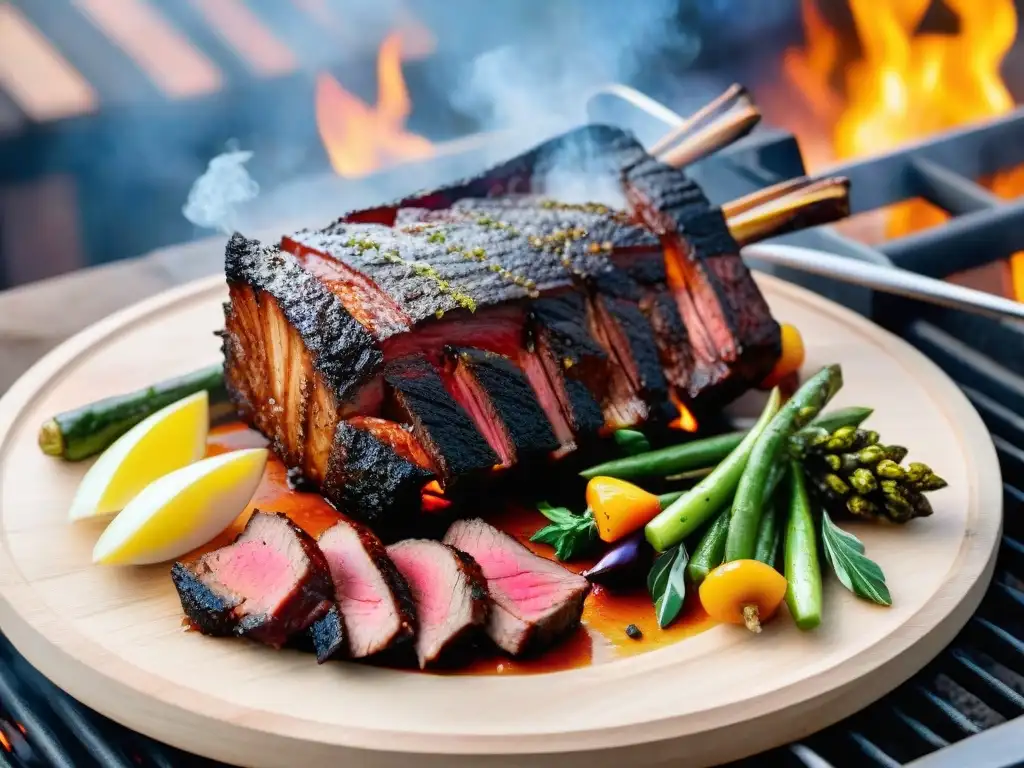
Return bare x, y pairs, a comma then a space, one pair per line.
112, 637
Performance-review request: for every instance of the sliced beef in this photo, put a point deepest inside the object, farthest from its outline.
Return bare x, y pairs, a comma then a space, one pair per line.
499, 399
418, 397
450, 595
618, 322
269, 584
375, 612
376, 473
571, 361
535, 601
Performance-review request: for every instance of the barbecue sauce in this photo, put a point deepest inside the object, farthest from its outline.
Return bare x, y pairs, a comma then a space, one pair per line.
606, 613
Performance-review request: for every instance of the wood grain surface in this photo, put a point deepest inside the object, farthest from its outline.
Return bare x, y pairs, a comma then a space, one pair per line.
112, 637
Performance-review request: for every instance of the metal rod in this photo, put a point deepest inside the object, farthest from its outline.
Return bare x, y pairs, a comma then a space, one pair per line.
887, 279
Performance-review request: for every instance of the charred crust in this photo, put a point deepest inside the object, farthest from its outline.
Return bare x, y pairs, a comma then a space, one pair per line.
327, 637
563, 319
340, 348
513, 401
651, 384
210, 613
591, 149
478, 591
440, 423
671, 337
366, 477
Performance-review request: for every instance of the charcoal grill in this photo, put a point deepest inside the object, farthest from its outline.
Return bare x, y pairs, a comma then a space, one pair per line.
965, 708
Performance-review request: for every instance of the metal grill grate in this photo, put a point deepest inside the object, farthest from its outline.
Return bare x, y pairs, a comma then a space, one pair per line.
965, 707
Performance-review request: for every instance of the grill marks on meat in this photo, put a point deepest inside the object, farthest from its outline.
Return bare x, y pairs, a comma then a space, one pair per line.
499, 399
376, 472
593, 241
535, 601
439, 423
270, 583
450, 595
734, 337
374, 603
577, 368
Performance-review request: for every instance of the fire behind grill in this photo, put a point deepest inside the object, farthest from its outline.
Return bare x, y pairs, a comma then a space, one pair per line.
955, 712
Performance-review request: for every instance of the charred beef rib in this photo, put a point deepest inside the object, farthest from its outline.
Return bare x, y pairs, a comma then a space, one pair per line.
732, 332
450, 595
374, 613
535, 601
439, 345
269, 584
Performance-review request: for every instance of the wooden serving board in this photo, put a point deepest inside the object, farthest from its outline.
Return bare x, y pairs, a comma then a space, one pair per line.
112, 637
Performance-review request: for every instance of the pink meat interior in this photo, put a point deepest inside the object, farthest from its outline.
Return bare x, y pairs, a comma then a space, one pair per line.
429, 579
496, 329
467, 392
364, 597
520, 581
257, 571
550, 391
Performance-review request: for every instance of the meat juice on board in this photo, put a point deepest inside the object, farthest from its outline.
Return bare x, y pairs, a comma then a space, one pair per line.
606, 613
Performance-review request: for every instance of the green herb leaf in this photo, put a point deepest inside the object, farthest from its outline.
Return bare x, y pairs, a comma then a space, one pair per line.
631, 442
857, 572
666, 582
571, 535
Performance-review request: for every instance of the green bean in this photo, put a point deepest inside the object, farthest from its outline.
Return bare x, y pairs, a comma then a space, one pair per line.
748, 505
851, 416
670, 460
687, 513
770, 531
710, 550
631, 442
675, 460
801, 566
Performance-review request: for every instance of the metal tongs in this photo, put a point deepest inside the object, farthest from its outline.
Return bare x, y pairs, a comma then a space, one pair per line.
677, 148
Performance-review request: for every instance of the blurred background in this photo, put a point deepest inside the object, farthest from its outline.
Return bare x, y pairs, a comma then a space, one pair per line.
111, 109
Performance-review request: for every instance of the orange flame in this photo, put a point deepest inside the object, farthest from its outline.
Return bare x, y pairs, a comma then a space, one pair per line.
907, 85
686, 421
5, 743
359, 138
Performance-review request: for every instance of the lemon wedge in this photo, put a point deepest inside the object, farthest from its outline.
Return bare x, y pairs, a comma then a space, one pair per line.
171, 438
182, 510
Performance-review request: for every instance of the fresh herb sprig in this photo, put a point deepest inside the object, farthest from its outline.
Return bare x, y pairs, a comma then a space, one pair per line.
667, 584
857, 572
570, 534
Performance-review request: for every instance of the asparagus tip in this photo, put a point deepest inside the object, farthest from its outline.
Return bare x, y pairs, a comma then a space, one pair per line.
751, 618
51, 440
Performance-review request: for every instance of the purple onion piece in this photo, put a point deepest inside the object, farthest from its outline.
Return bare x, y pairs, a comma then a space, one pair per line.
624, 564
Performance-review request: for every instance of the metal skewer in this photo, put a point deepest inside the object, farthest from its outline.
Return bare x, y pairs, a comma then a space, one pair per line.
888, 279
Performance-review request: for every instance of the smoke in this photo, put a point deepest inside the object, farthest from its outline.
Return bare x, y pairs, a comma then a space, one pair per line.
521, 68
557, 54
214, 199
